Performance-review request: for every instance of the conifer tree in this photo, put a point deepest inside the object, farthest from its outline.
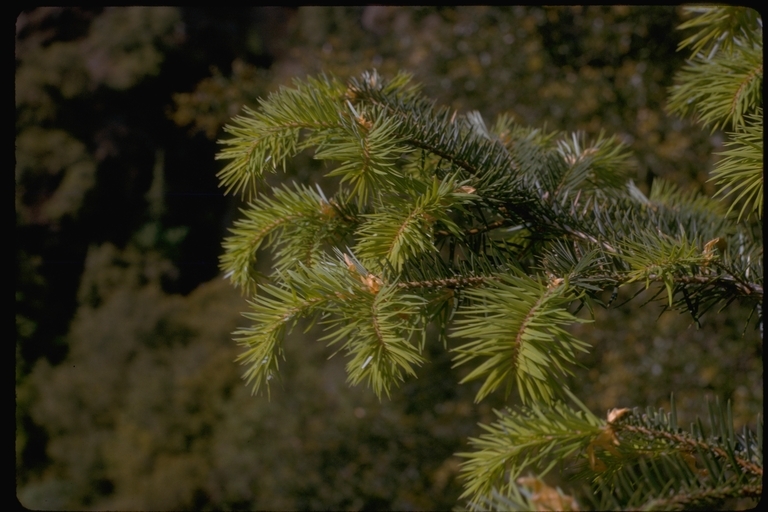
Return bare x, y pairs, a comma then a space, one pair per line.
498, 236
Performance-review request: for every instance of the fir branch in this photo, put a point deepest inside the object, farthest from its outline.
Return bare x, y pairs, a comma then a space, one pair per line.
684, 441
263, 341
451, 283
601, 165
646, 461
526, 438
368, 150
665, 196
426, 229
266, 139
670, 215
295, 221
515, 323
478, 230
637, 461
581, 235
373, 322
376, 329
703, 497
743, 286
442, 133
721, 27
721, 90
402, 229
740, 173
754, 290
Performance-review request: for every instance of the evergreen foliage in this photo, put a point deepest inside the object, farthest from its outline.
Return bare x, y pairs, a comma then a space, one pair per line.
511, 230
723, 85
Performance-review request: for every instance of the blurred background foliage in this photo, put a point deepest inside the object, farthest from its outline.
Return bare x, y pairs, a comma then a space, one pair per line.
127, 396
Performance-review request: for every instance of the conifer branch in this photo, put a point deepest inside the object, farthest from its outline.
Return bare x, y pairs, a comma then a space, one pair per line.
527, 438
740, 173
478, 230
424, 193
455, 282
439, 132
722, 26
683, 441
516, 325
694, 498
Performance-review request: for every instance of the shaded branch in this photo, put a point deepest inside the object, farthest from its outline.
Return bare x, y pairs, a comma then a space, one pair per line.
683, 440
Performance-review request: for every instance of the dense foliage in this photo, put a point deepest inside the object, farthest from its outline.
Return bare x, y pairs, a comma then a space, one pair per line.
499, 233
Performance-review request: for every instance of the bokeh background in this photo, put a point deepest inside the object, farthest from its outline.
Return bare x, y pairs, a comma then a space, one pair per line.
127, 393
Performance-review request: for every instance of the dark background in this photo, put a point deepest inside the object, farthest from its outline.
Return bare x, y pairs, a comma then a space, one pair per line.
127, 393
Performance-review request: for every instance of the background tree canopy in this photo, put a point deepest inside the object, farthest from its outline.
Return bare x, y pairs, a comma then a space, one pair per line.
127, 393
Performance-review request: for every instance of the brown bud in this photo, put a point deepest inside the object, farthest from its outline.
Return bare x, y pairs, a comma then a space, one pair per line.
616, 414
350, 264
709, 249
362, 121
373, 283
